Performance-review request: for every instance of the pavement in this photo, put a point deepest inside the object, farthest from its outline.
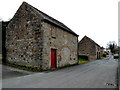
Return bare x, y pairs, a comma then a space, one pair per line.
95, 74
9, 72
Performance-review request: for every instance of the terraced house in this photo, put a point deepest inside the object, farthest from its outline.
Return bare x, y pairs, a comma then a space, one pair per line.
34, 39
89, 49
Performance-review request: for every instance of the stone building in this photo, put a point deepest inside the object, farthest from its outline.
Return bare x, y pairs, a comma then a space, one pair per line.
102, 51
88, 48
3, 40
34, 39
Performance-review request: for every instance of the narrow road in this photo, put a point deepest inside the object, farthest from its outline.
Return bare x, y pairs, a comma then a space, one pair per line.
95, 74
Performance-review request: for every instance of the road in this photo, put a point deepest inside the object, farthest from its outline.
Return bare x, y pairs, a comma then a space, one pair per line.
95, 74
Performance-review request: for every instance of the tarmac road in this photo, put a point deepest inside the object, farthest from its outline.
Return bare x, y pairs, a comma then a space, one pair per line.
95, 74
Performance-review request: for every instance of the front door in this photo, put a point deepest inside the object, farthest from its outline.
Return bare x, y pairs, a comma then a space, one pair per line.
53, 58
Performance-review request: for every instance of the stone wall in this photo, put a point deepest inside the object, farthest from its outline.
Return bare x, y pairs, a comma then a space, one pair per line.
29, 40
24, 39
98, 52
86, 47
101, 52
89, 48
83, 47
64, 42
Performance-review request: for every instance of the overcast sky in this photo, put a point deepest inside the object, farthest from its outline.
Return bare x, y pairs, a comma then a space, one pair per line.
97, 19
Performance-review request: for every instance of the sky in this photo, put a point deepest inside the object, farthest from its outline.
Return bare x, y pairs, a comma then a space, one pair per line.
97, 19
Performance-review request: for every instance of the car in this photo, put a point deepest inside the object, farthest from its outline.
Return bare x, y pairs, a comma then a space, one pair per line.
116, 56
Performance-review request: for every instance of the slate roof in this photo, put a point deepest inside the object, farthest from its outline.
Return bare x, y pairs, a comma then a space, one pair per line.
52, 20
91, 40
102, 48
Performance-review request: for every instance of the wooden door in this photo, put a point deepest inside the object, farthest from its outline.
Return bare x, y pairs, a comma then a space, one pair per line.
53, 58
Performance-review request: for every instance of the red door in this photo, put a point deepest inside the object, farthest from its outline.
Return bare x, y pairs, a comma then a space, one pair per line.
53, 58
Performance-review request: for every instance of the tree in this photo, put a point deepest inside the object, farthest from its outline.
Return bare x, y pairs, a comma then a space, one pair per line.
112, 46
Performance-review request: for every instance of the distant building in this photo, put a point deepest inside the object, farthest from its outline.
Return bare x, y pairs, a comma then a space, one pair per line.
108, 51
87, 47
34, 39
102, 51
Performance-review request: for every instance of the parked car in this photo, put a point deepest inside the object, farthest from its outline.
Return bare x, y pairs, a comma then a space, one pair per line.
116, 56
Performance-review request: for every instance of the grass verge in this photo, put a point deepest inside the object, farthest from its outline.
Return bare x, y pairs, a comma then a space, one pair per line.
0, 56
103, 57
82, 61
22, 67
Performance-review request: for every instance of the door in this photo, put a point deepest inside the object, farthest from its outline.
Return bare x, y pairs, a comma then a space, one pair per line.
53, 58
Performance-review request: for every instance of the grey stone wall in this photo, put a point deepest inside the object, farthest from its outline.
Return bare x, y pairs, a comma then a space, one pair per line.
98, 52
85, 47
29, 41
89, 48
24, 39
64, 42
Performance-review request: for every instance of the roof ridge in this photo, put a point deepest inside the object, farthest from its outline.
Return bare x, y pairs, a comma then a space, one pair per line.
91, 40
51, 19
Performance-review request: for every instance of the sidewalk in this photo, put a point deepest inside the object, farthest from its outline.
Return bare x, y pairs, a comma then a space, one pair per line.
10, 72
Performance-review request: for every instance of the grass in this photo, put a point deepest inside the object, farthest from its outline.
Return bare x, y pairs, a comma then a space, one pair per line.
22, 67
0, 56
33, 69
82, 61
103, 57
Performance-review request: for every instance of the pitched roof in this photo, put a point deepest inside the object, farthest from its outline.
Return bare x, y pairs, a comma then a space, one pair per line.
102, 48
51, 20
91, 40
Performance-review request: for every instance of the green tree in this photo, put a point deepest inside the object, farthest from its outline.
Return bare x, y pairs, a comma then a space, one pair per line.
112, 46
